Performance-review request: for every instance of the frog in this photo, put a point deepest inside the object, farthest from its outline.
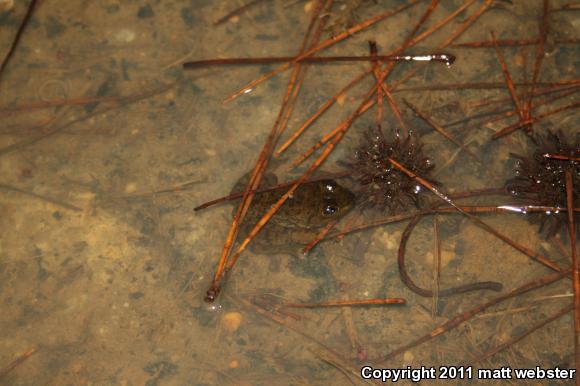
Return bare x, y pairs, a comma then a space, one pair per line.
312, 206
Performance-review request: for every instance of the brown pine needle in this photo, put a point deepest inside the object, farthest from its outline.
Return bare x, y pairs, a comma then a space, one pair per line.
441, 23
329, 148
347, 303
369, 103
510, 129
488, 354
505, 114
395, 108
461, 318
341, 128
508, 80
319, 237
436, 266
447, 210
467, 23
544, 29
355, 81
561, 157
528, 252
323, 7
287, 325
256, 177
439, 128
510, 43
549, 90
482, 85
320, 111
327, 43
447, 59
234, 196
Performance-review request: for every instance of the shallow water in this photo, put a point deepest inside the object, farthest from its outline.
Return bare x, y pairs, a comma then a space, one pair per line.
104, 264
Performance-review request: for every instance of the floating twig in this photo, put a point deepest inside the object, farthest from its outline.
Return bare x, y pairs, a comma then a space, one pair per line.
447, 59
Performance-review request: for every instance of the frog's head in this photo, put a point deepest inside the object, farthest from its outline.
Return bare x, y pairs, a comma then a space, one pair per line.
334, 201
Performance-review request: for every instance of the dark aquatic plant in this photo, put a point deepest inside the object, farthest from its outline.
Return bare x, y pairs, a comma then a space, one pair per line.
381, 185
541, 181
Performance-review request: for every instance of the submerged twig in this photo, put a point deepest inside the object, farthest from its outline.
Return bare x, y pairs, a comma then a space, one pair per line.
41, 197
488, 354
8, 56
121, 102
236, 12
21, 358
460, 318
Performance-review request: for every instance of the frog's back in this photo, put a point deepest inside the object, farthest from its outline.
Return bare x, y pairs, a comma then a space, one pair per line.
313, 205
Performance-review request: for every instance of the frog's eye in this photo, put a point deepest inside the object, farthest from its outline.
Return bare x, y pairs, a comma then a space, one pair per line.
330, 209
330, 186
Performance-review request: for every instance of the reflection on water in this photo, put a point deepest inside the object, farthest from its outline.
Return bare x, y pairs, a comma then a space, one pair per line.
108, 145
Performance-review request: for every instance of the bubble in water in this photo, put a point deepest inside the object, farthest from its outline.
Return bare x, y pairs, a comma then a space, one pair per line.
213, 307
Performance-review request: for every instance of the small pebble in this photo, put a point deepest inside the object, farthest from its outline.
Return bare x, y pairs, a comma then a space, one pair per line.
231, 321
6, 5
125, 36
340, 99
131, 187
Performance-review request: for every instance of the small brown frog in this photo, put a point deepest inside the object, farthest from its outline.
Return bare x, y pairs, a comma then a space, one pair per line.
313, 205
